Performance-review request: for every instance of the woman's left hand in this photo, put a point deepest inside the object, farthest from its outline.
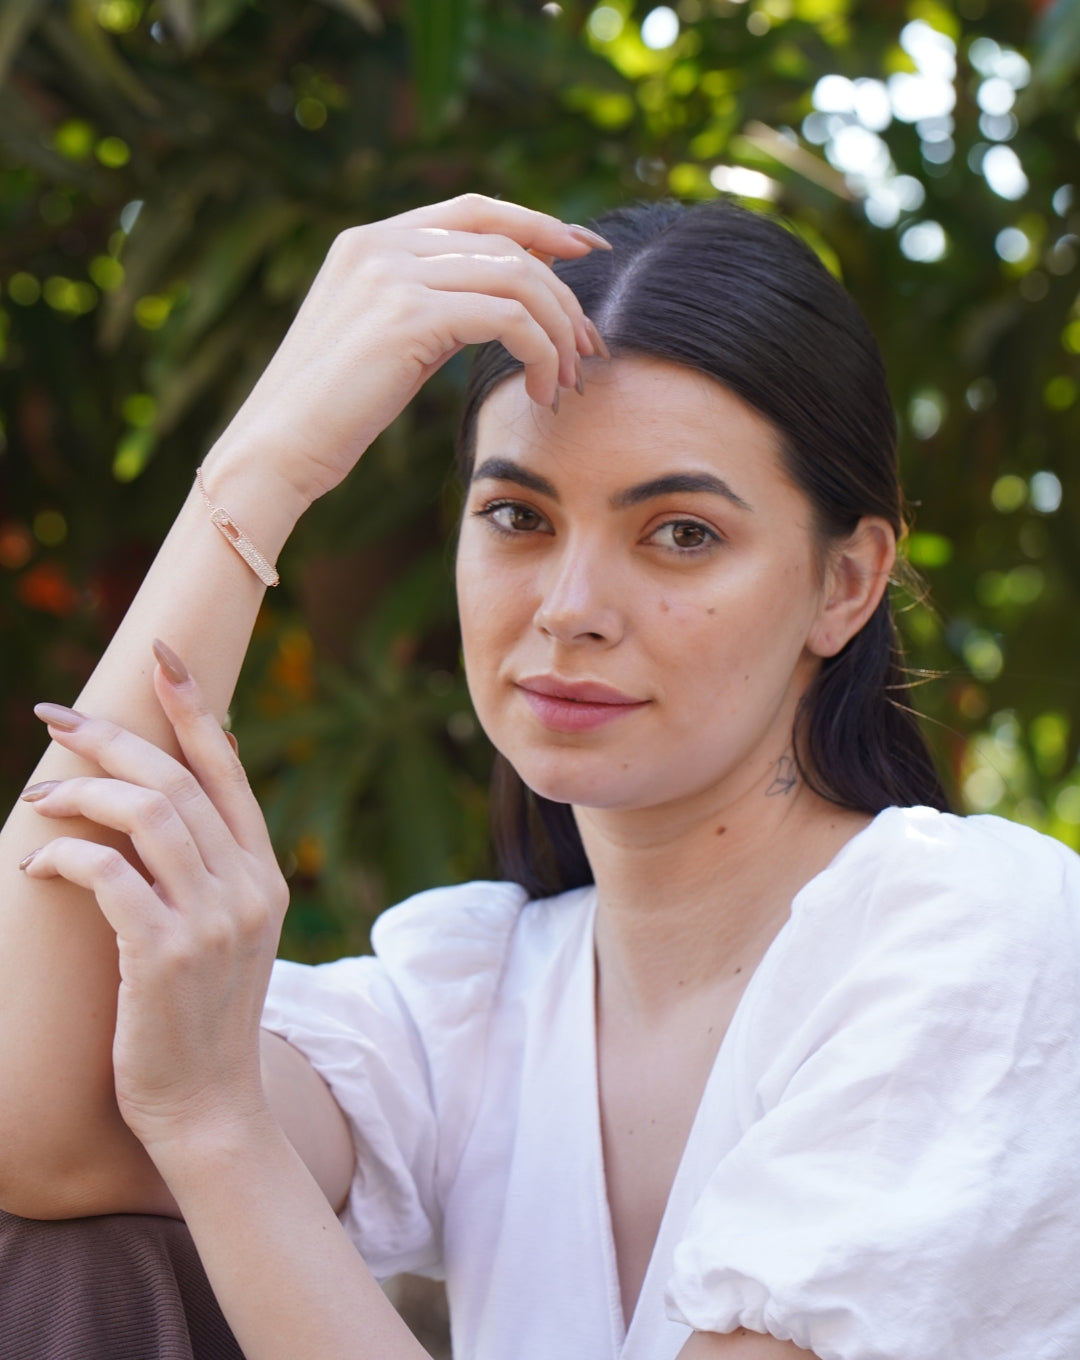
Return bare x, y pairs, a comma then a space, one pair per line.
197, 933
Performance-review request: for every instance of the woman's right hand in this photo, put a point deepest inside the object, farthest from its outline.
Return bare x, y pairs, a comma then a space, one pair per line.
392, 302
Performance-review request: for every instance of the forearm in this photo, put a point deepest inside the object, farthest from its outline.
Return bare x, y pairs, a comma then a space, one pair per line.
59, 1127
289, 1281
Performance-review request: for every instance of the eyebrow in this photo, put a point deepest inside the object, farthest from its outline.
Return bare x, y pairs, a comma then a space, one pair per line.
675, 483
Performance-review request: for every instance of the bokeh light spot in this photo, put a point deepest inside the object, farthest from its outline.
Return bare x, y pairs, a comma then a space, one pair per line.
24, 289
1008, 493
1060, 393
926, 412
50, 528
605, 23
660, 28
310, 113
1003, 172
106, 272
924, 242
1045, 493
151, 312
1013, 245
74, 139
16, 545
113, 152
983, 655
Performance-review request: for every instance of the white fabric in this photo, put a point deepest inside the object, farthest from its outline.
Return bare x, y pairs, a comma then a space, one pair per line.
885, 1164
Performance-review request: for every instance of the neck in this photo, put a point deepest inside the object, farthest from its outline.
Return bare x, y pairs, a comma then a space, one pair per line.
690, 897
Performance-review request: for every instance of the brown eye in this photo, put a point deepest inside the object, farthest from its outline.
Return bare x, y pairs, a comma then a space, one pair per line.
513, 518
687, 535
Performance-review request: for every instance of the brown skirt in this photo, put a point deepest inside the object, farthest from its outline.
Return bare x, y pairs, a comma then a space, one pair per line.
120, 1287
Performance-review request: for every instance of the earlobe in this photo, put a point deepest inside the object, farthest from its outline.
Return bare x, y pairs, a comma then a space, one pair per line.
856, 577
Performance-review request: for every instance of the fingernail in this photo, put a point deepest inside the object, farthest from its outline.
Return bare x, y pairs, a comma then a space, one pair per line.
549, 260
233, 742
56, 715
33, 792
597, 340
579, 376
25, 861
170, 663
555, 402
588, 238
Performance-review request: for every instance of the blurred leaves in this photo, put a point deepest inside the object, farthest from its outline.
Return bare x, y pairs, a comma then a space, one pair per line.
172, 173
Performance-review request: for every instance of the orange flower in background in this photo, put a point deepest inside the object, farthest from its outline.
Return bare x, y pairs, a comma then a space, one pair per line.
47, 587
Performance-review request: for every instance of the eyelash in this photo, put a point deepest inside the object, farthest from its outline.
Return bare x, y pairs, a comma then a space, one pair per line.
711, 538
489, 512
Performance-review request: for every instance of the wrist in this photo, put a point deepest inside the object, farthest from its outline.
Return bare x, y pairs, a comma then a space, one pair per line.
256, 496
192, 1153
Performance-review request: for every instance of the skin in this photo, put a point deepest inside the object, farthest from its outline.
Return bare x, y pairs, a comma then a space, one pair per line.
136, 943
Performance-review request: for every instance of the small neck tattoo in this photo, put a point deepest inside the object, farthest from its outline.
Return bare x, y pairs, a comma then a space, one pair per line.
785, 779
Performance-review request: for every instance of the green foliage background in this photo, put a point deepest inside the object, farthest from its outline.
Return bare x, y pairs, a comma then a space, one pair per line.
171, 174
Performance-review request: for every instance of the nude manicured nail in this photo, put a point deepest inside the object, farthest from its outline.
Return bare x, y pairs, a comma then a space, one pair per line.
233, 742
555, 402
579, 377
56, 715
170, 663
28, 858
33, 792
599, 347
588, 237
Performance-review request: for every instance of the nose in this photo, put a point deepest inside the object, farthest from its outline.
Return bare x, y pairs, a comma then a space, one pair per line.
581, 601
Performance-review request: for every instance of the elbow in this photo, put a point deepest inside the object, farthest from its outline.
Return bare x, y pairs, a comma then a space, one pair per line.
64, 1179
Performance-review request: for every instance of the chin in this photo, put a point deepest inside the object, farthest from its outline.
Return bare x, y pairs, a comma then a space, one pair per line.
567, 780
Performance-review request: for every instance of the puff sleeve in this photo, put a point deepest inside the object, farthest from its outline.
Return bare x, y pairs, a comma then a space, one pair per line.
907, 1181
400, 1039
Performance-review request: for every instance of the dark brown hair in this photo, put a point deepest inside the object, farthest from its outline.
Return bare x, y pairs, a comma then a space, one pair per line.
741, 299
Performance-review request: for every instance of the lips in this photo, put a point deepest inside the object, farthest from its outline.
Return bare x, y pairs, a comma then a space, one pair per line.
575, 705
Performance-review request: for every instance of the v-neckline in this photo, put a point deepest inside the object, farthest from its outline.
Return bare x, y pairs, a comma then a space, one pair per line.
624, 1329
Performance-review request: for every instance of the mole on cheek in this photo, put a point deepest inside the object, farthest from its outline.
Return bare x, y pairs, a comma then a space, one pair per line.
710, 610
664, 606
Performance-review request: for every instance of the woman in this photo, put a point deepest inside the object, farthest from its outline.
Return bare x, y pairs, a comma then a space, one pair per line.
788, 1068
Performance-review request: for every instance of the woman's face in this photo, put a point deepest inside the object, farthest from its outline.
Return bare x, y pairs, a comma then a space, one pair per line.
639, 586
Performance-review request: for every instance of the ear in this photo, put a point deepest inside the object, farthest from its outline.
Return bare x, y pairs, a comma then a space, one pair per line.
856, 576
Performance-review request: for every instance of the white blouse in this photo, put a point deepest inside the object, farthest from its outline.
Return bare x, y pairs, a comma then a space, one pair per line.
885, 1164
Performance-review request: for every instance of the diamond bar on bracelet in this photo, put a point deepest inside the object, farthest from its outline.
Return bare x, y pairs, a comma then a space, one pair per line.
236, 537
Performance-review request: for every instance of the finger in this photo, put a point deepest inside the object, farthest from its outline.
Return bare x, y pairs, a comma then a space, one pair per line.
474, 212
160, 836
131, 758
547, 300
515, 262
127, 901
212, 755
474, 319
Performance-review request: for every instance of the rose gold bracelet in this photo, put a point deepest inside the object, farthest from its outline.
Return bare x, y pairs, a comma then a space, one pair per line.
236, 538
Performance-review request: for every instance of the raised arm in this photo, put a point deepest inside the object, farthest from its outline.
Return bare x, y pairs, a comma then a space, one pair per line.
392, 302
